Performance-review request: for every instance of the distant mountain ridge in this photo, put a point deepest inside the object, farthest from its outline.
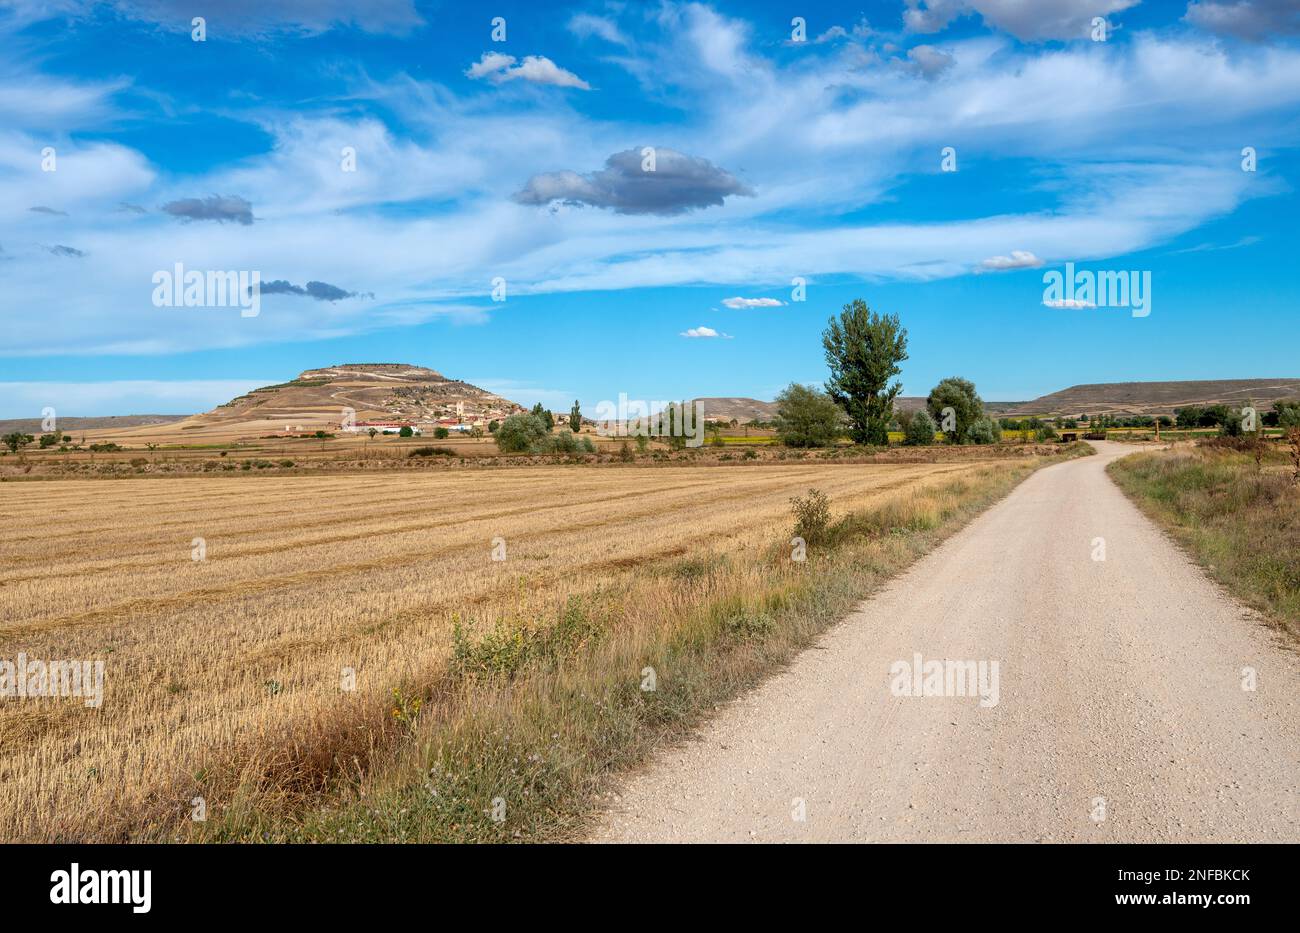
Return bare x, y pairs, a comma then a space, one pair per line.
1157, 398
1100, 398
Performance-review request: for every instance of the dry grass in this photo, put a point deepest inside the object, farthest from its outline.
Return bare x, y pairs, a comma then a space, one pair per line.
223, 675
1238, 516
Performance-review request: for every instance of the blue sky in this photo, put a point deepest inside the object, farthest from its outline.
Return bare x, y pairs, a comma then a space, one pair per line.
524, 160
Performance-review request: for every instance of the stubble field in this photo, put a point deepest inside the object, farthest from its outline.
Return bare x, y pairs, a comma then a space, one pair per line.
229, 678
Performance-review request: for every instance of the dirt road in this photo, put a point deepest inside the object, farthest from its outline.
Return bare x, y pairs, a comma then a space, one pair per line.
1119, 712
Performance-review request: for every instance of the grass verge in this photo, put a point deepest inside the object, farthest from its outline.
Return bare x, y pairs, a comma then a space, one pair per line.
519, 737
1239, 519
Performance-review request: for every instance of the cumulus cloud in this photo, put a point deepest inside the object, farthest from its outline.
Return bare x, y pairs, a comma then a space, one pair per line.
321, 291
1037, 21
861, 30
1019, 259
221, 209
1255, 20
704, 332
538, 69
752, 302
677, 184
929, 62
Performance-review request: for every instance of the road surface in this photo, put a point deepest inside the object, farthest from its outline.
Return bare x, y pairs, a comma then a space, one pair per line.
1120, 714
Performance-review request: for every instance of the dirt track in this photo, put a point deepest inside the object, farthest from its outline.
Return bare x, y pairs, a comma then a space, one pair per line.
1120, 715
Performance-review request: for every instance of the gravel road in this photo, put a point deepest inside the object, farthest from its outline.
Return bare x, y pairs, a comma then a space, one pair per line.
1120, 713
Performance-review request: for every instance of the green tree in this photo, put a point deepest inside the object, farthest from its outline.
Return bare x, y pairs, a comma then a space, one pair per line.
406, 431
520, 433
15, 440
546, 417
986, 431
441, 433
575, 418
674, 427
955, 405
1287, 413
493, 425
806, 417
919, 430
863, 350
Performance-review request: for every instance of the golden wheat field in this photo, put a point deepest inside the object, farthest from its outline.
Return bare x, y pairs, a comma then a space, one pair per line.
240, 663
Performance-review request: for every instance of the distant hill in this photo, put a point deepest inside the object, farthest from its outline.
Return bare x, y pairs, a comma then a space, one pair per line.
751, 409
320, 400
741, 409
374, 391
1157, 398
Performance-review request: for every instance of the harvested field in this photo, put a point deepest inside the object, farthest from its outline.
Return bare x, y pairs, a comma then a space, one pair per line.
224, 677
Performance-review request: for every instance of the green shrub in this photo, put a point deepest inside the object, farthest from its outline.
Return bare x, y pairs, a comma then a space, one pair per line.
812, 516
920, 430
806, 417
520, 433
983, 431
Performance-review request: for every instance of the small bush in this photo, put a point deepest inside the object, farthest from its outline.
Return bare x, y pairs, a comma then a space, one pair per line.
432, 452
812, 516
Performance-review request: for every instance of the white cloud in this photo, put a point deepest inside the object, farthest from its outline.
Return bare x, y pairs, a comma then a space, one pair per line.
242, 17
426, 220
1019, 259
1067, 303
752, 302
537, 69
1247, 19
704, 332
928, 61
1037, 20
584, 25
